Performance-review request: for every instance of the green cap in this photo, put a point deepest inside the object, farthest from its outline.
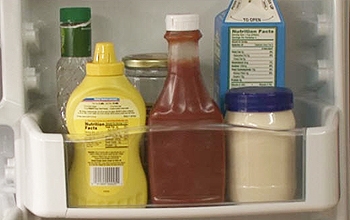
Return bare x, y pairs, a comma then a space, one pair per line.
75, 15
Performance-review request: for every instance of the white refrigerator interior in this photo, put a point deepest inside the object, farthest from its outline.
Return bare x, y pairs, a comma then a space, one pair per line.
32, 158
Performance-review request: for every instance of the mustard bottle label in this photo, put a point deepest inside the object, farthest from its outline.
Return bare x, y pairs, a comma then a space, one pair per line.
105, 107
106, 169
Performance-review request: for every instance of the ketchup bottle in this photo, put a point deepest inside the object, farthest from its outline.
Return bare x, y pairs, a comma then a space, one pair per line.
186, 166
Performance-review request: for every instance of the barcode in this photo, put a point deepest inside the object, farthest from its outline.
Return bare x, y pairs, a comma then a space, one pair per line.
102, 176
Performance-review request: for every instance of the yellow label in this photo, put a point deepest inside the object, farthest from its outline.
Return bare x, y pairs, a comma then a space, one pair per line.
107, 158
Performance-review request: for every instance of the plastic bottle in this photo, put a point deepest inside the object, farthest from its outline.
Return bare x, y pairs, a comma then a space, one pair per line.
261, 163
185, 166
106, 101
75, 27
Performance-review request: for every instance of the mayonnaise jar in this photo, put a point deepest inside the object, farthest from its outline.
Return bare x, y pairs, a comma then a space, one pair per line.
261, 154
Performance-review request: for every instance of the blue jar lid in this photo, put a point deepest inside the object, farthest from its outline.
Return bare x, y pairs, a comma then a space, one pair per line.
259, 99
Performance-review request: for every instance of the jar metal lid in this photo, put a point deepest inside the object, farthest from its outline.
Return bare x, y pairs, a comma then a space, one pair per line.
259, 99
146, 60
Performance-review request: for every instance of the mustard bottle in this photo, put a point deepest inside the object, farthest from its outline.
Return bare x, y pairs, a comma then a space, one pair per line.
107, 172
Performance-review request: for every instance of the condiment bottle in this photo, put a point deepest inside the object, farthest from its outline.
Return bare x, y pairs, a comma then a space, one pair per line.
185, 166
75, 27
147, 72
261, 163
106, 172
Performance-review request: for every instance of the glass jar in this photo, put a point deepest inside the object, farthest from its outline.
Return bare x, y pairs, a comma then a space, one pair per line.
261, 162
147, 72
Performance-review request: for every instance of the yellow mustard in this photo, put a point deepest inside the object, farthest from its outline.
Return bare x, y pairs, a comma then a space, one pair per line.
107, 171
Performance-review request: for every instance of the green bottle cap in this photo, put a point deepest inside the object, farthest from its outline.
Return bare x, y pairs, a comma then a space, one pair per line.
75, 15
75, 30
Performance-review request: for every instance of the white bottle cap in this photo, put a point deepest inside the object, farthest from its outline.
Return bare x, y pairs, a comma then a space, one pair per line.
182, 22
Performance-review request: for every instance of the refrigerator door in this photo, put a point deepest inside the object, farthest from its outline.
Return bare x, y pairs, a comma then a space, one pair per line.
33, 172
12, 105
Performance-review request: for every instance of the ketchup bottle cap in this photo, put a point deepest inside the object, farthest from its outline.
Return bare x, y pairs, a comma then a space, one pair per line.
182, 22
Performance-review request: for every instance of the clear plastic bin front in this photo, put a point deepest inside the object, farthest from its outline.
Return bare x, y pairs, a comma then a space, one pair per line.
199, 165
223, 173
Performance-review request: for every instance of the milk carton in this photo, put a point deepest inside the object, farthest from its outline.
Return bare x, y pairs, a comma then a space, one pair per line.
249, 46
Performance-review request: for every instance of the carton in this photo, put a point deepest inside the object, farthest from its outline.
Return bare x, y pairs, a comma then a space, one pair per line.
249, 47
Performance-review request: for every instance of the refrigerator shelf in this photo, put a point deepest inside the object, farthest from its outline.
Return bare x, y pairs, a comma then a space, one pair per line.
42, 158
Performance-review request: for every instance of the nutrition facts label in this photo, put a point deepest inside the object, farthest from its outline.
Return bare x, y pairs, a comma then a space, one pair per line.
252, 56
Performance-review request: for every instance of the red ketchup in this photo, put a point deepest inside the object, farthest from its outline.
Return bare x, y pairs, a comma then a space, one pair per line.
185, 166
